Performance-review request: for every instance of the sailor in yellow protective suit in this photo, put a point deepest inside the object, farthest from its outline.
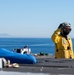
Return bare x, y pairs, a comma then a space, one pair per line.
63, 43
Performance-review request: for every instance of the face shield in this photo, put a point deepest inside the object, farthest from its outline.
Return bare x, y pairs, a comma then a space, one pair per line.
66, 30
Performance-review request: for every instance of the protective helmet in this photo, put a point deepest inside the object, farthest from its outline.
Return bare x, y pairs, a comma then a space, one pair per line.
25, 46
65, 24
66, 28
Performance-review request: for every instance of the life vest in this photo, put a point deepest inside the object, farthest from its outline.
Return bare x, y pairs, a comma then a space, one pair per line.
63, 46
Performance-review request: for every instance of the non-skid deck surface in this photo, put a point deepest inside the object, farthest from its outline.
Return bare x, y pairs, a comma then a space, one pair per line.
47, 65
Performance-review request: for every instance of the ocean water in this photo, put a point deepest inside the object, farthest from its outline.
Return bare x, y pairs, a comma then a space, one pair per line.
37, 45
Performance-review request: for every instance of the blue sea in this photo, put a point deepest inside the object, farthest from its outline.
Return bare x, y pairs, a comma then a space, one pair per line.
37, 45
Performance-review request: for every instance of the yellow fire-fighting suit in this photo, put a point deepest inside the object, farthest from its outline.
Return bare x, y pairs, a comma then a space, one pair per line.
63, 46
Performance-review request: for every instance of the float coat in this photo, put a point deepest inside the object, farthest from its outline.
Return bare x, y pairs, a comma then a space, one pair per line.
63, 46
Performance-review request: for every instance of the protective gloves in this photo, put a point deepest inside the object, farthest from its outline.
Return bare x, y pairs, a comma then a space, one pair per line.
60, 26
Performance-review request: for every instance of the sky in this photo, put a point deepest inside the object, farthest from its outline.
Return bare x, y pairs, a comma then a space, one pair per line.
34, 18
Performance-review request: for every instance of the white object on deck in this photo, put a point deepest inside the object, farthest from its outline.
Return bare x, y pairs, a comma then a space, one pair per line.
1, 63
25, 50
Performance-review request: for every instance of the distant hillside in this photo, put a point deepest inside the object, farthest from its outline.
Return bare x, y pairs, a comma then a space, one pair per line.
4, 35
